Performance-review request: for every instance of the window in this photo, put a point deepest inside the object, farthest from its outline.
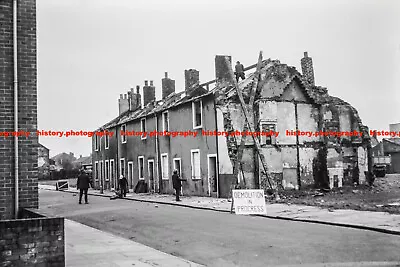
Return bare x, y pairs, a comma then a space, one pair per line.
195, 159
123, 136
141, 167
197, 110
165, 120
143, 127
164, 166
107, 141
122, 167
96, 170
269, 139
96, 143
107, 170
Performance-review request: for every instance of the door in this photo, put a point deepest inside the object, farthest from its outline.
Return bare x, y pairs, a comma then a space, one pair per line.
212, 175
150, 166
177, 166
130, 174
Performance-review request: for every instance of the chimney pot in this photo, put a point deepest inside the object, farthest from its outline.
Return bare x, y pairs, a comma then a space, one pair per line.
146, 83
125, 97
166, 74
151, 83
121, 96
137, 89
305, 54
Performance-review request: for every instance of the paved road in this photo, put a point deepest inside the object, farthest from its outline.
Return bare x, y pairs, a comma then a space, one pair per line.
221, 239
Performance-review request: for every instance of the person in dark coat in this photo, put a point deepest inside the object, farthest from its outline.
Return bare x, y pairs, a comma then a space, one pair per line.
83, 185
123, 185
177, 184
239, 71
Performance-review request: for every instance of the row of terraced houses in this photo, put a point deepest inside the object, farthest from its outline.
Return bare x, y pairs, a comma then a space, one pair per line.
285, 100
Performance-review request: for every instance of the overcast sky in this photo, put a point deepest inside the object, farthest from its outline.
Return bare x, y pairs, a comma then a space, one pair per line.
90, 51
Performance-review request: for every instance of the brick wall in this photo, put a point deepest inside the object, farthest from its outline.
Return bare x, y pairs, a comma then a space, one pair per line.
32, 242
27, 102
307, 68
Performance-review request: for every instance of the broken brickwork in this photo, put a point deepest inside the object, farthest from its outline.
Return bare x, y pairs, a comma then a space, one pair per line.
288, 100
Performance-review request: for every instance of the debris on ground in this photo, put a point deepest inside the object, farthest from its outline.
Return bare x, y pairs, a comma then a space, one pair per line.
383, 195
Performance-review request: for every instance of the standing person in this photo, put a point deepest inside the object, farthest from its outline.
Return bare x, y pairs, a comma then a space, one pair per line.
83, 185
123, 185
177, 184
239, 71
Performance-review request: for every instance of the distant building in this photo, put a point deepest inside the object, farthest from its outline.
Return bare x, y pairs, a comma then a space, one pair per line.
82, 162
64, 161
390, 147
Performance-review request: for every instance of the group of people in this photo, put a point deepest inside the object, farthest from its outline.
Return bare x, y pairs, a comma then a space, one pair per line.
83, 185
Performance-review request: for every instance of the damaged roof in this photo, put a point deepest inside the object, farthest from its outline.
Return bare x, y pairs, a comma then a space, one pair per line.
318, 94
157, 106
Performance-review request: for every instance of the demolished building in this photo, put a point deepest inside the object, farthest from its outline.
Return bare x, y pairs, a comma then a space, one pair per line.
287, 102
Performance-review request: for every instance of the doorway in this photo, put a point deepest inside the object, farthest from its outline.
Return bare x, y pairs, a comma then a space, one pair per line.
150, 166
130, 174
212, 175
178, 166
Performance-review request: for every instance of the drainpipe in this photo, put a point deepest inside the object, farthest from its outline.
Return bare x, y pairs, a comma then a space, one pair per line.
16, 205
216, 139
158, 158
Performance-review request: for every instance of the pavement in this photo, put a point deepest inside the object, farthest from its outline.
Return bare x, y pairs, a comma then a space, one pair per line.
368, 220
87, 246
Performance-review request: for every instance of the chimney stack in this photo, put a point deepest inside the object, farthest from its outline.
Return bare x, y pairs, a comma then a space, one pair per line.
222, 70
149, 93
307, 68
139, 97
191, 79
168, 86
123, 104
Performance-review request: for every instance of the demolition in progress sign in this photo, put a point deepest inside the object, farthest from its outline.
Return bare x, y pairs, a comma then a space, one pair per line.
249, 201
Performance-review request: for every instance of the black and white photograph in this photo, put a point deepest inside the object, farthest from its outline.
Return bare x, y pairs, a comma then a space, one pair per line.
200, 133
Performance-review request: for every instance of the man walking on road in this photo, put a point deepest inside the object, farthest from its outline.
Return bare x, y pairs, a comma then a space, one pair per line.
83, 185
177, 184
123, 185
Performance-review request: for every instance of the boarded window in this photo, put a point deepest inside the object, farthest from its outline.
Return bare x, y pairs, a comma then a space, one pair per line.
164, 166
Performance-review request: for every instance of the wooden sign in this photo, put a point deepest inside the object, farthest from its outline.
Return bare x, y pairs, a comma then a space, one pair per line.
249, 201
62, 185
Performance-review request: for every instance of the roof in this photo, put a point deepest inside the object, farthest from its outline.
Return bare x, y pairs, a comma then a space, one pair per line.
155, 107
84, 160
270, 68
